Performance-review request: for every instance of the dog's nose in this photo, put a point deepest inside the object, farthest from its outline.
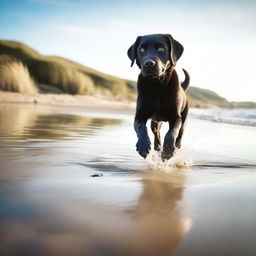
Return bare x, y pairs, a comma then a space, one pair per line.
149, 63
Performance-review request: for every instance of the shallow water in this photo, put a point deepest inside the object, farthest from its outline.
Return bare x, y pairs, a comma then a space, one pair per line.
242, 116
203, 202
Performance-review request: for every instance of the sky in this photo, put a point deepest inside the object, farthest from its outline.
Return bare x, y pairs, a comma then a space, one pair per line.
219, 36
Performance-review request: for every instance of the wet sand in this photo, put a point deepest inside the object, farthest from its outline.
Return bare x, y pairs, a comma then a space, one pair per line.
85, 101
51, 205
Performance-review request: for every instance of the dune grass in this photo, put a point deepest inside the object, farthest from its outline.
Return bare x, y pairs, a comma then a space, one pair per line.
199, 97
68, 79
69, 76
15, 77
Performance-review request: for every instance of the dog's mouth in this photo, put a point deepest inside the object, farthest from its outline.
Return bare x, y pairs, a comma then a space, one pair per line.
155, 75
158, 73
150, 75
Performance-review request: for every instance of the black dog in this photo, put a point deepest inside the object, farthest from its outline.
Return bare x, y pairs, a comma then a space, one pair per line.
161, 97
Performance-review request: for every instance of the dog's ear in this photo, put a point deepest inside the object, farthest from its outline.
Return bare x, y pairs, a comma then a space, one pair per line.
132, 51
176, 49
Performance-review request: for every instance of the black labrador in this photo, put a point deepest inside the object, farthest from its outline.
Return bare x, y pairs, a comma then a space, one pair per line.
161, 97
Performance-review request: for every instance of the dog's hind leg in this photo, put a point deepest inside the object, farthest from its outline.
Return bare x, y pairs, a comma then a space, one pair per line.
155, 127
183, 118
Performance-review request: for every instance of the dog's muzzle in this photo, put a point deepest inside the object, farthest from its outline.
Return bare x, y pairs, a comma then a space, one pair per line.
150, 68
154, 69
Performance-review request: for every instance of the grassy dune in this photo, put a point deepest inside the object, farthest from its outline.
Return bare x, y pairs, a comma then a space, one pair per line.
204, 97
14, 76
70, 77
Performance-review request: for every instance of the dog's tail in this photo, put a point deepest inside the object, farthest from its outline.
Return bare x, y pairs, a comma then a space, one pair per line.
185, 83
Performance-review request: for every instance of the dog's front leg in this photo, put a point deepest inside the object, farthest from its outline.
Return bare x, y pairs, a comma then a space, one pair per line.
143, 144
170, 138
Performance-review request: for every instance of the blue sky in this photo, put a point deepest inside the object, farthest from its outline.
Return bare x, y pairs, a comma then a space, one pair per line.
219, 36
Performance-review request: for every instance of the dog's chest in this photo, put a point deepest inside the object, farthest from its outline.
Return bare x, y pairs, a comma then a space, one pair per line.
163, 109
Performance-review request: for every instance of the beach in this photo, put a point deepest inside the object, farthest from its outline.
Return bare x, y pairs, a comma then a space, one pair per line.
95, 102
77, 78
72, 183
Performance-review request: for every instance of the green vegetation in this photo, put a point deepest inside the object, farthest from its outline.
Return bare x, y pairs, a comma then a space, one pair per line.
243, 104
199, 97
14, 76
67, 76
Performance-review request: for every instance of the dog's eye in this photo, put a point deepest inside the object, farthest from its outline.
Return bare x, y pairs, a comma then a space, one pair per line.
141, 50
161, 49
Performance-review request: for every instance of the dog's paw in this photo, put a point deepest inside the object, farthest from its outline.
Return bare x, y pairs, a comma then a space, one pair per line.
143, 146
168, 147
167, 153
157, 147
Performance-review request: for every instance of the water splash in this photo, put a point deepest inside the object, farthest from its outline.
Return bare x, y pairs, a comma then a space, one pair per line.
182, 158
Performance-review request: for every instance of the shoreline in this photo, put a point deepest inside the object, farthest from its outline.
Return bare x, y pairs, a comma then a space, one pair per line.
104, 104
67, 100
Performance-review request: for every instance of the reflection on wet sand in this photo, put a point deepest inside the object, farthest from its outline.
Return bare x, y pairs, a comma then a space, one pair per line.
14, 119
40, 122
50, 204
40, 215
154, 225
161, 223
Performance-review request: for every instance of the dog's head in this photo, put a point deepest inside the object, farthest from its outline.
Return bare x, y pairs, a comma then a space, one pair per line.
155, 54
